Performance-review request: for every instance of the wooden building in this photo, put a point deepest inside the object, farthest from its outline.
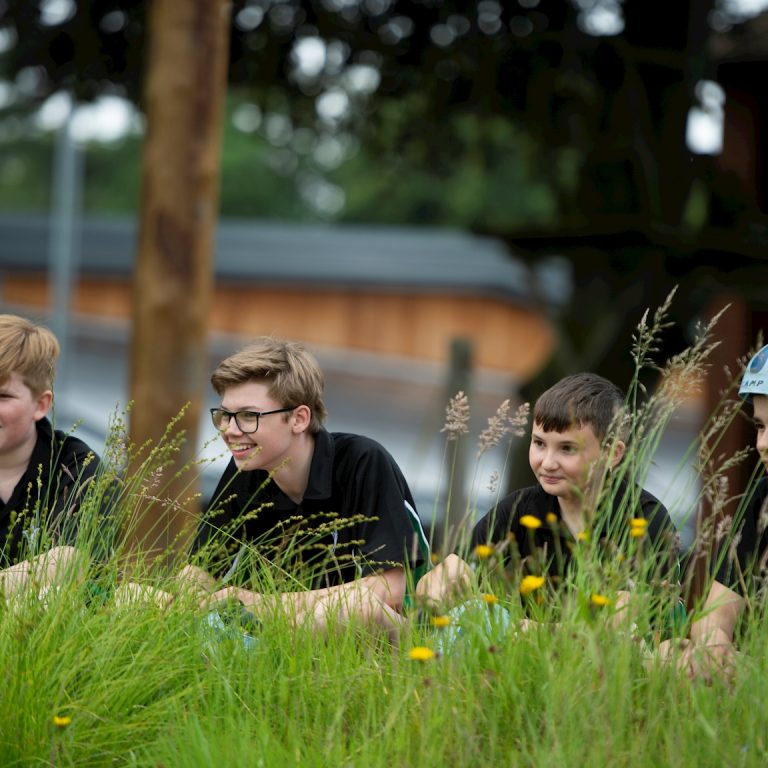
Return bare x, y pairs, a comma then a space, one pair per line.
395, 292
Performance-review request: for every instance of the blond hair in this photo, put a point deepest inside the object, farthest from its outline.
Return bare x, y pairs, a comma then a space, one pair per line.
291, 372
30, 350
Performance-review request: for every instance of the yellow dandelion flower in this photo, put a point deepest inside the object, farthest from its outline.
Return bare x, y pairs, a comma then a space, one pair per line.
530, 522
599, 600
421, 653
638, 527
551, 518
530, 584
490, 599
61, 721
483, 551
440, 621
582, 536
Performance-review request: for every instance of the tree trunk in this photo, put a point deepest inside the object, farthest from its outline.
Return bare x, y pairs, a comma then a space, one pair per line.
184, 94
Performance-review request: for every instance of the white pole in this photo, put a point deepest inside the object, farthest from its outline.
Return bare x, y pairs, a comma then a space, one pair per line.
64, 239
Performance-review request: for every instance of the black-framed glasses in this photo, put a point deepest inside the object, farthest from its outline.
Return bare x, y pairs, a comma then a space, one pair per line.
247, 421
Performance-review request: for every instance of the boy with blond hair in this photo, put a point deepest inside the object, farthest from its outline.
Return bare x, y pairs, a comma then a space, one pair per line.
43, 472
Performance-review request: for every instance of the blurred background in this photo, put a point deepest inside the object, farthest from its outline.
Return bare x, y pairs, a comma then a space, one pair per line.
432, 195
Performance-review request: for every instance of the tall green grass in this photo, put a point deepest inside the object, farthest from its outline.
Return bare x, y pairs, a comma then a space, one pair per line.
145, 687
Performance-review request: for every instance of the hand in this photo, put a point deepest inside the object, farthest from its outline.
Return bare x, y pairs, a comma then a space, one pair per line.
131, 593
195, 582
231, 594
707, 660
446, 580
524, 625
355, 602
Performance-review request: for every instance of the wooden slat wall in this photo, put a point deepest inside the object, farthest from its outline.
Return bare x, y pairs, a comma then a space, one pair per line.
507, 338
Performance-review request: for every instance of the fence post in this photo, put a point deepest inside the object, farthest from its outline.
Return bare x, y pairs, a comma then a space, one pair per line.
459, 379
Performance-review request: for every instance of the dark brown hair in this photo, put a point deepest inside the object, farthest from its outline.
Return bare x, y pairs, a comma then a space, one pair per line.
583, 399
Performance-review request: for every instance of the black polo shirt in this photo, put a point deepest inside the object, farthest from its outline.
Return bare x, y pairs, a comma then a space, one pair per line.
551, 545
357, 516
46, 499
751, 549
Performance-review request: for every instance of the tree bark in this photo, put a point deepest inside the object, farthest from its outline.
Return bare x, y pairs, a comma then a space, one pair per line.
184, 93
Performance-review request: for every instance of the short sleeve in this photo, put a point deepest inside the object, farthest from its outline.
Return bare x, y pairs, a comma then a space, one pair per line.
389, 531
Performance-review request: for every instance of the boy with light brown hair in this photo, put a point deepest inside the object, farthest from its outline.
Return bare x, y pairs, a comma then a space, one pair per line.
328, 508
43, 472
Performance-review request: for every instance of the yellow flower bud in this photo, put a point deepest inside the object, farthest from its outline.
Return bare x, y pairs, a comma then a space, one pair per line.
483, 551
530, 584
421, 653
61, 721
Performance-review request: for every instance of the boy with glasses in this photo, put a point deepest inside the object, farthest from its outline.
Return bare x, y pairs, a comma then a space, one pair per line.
332, 508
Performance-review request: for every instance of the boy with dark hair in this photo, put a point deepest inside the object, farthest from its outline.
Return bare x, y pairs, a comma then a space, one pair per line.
712, 647
43, 472
332, 505
575, 440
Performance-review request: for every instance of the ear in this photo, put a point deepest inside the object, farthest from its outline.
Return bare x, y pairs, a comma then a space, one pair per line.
618, 449
43, 404
301, 417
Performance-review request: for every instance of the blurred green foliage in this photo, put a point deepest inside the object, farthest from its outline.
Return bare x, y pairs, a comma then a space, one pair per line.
495, 177
25, 170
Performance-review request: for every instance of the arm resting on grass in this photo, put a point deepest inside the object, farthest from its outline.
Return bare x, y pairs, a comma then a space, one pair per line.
721, 611
193, 582
48, 569
712, 648
374, 599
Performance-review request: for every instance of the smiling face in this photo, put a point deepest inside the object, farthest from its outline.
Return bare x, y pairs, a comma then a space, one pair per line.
271, 444
20, 410
562, 461
760, 406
